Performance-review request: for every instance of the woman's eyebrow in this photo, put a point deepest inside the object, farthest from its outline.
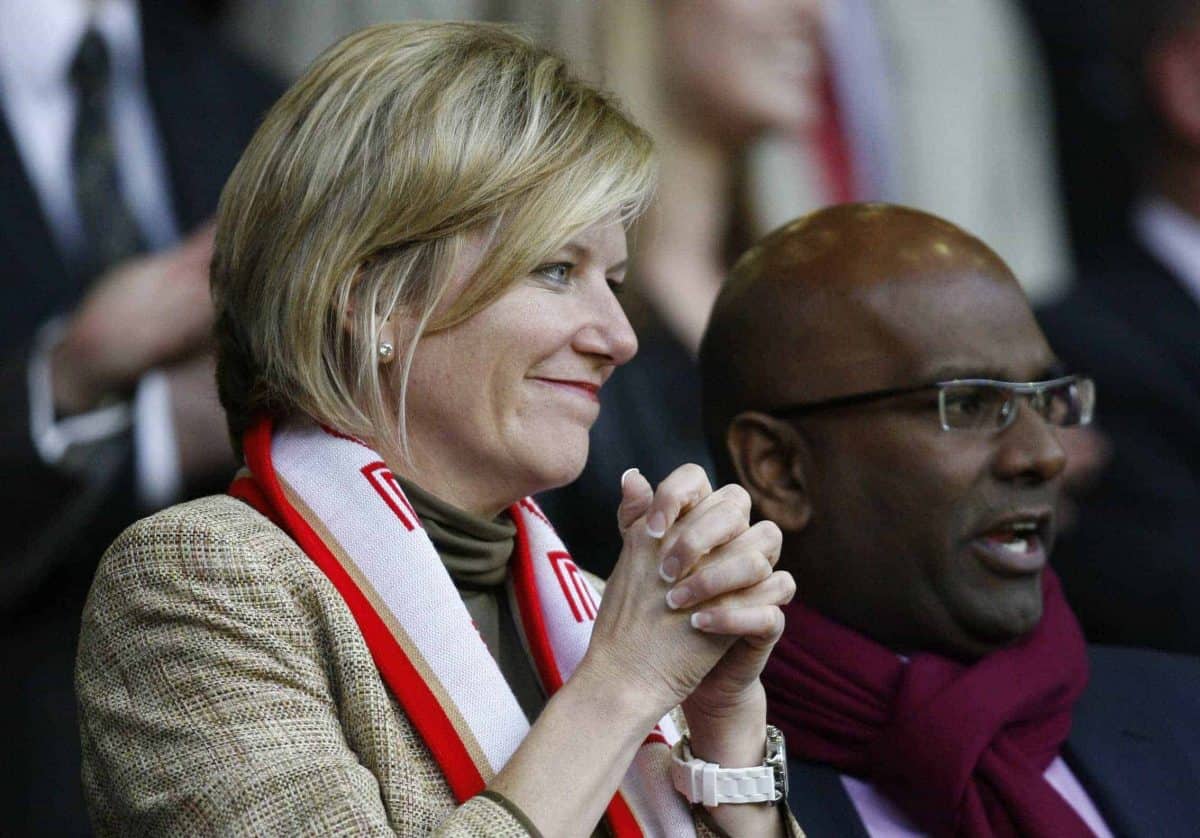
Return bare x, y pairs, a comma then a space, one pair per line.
582, 253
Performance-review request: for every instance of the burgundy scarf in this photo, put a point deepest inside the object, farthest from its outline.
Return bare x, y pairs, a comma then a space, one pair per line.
960, 748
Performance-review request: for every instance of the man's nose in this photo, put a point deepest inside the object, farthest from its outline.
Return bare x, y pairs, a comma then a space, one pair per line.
1029, 448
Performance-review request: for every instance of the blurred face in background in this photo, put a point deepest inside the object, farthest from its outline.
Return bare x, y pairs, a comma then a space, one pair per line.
741, 67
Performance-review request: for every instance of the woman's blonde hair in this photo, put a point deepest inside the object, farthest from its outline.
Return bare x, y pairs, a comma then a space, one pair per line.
357, 193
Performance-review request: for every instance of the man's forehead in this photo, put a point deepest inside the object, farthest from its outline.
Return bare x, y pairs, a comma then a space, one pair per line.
869, 296
904, 332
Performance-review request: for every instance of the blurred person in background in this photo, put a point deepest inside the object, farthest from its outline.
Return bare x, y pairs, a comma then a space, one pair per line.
288, 35
1131, 567
936, 105
708, 79
119, 125
1092, 98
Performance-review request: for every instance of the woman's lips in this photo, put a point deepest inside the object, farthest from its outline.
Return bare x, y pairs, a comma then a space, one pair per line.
583, 388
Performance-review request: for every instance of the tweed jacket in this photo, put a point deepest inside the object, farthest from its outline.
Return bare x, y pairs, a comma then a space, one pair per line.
224, 687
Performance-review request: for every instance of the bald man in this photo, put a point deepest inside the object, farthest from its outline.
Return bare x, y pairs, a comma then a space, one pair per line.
874, 377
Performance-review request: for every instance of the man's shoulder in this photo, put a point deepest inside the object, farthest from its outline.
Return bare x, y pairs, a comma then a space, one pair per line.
1143, 679
1150, 695
1134, 740
1106, 657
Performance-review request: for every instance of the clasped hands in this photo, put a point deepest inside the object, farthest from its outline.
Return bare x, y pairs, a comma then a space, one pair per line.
693, 609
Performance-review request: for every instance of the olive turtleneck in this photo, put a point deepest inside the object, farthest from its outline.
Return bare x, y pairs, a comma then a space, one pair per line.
475, 552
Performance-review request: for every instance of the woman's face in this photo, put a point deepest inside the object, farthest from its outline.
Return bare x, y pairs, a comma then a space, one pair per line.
500, 405
744, 65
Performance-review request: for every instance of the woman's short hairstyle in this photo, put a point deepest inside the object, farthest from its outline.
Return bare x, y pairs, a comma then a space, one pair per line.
356, 195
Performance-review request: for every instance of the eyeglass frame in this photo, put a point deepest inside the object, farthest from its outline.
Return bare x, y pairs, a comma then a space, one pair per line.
1015, 388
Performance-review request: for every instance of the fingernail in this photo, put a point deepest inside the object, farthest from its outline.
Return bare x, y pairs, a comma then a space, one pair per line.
657, 525
625, 475
701, 620
678, 597
669, 569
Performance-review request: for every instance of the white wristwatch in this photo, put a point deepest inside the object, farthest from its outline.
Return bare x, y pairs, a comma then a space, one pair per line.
710, 784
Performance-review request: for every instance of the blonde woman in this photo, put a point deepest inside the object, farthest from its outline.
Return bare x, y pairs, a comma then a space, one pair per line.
379, 632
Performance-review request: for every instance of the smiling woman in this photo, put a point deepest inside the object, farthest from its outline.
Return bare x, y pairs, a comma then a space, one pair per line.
514, 389
379, 632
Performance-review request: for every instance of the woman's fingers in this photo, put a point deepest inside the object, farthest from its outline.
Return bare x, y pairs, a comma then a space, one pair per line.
761, 622
683, 488
755, 612
717, 519
636, 495
742, 563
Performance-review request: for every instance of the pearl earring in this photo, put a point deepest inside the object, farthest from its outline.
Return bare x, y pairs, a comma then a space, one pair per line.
386, 352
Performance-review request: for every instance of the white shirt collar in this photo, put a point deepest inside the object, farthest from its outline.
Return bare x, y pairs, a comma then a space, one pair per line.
39, 39
1173, 237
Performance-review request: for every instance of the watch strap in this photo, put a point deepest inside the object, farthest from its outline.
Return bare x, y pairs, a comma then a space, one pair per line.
709, 784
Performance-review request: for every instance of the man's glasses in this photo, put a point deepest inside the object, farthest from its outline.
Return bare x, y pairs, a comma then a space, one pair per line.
982, 404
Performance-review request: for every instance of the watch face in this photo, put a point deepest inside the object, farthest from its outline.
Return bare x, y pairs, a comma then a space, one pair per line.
777, 759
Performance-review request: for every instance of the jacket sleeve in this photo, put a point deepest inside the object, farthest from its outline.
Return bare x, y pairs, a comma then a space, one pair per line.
53, 513
209, 703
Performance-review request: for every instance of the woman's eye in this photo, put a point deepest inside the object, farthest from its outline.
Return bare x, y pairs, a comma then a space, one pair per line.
557, 273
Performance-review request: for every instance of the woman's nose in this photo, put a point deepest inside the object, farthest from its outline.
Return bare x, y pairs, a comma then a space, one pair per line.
608, 331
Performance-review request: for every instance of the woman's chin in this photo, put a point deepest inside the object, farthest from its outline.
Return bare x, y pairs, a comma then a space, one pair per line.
560, 469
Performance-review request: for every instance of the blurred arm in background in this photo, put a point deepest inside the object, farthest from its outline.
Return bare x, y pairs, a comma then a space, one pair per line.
119, 125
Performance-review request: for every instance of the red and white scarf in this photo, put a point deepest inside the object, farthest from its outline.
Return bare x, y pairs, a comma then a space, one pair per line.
342, 505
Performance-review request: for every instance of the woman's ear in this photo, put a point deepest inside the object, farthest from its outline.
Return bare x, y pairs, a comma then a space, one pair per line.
769, 456
386, 343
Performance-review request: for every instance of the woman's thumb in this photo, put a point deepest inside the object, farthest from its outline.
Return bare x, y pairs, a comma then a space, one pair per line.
636, 495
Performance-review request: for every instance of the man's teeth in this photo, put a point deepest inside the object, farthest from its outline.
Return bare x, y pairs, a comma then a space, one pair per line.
1016, 537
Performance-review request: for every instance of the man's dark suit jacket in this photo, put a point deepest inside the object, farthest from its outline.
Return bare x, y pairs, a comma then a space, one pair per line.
206, 104
1134, 746
1131, 568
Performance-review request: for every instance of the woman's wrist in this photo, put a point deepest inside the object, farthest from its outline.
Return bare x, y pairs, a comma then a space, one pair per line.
619, 698
733, 736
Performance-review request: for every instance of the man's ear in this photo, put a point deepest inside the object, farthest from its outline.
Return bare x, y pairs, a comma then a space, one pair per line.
770, 458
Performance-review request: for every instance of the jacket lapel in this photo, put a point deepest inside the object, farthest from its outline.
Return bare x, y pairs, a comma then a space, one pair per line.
1123, 751
28, 253
1138, 781
820, 803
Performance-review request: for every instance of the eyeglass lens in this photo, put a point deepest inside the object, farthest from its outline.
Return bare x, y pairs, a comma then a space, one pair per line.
993, 406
